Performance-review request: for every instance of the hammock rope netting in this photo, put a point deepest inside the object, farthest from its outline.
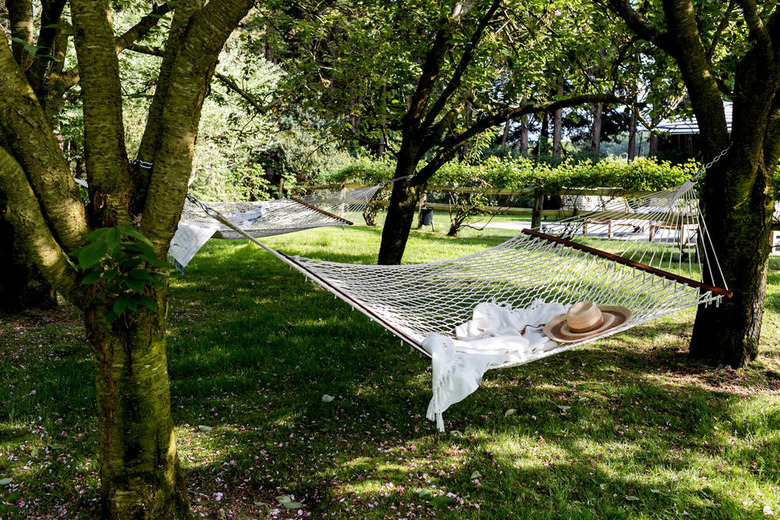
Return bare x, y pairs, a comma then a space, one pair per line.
660, 241
650, 254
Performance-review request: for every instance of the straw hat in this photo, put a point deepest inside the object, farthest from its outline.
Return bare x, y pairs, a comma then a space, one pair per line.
585, 320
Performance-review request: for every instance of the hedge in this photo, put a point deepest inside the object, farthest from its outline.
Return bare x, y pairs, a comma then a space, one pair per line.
642, 174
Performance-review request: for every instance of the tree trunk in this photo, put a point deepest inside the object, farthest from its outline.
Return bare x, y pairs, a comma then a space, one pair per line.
544, 136
729, 334
22, 285
536, 215
557, 128
400, 215
595, 132
524, 136
631, 153
505, 134
465, 149
652, 147
140, 476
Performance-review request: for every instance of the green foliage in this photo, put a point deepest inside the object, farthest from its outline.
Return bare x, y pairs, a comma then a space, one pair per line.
364, 169
642, 174
516, 173
127, 267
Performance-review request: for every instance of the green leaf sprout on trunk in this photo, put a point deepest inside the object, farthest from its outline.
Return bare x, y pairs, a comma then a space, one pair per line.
126, 261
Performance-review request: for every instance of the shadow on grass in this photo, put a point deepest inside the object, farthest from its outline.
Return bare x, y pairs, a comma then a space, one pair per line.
279, 389
619, 429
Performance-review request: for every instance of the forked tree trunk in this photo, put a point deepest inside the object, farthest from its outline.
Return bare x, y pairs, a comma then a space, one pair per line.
140, 474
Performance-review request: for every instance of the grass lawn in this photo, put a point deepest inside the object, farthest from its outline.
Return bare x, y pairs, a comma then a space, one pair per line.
280, 390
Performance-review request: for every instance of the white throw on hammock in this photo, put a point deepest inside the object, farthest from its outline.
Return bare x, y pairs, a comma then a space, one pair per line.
497, 334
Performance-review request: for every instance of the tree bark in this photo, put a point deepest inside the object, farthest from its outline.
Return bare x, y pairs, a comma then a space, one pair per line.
524, 136
22, 286
631, 152
557, 128
404, 200
652, 147
140, 474
737, 195
595, 130
139, 468
20, 14
544, 136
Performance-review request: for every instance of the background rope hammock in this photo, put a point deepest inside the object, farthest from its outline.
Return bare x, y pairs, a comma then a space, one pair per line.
264, 218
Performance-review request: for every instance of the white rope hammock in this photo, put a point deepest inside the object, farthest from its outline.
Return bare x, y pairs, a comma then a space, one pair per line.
645, 254
264, 218
652, 278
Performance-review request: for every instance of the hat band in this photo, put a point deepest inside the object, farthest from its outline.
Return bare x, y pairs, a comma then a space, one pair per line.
588, 328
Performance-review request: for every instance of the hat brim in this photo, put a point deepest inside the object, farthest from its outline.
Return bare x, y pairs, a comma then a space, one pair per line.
557, 329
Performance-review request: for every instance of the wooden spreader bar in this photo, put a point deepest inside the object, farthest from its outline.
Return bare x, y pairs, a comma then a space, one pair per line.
318, 210
625, 261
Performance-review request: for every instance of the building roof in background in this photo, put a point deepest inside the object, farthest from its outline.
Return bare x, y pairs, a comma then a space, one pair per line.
678, 126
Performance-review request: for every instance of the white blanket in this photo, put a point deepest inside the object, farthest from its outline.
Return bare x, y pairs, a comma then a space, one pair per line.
496, 334
189, 238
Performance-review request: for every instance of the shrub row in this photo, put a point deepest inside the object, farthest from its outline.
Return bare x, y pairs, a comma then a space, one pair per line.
642, 174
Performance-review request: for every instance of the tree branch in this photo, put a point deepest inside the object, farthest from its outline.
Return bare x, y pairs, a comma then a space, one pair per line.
231, 84
206, 33
640, 25
68, 79
151, 138
142, 27
430, 71
463, 64
724, 23
30, 226
146, 49
28, 137
101, 94
700, 79
51, 14
20, 14
758, 30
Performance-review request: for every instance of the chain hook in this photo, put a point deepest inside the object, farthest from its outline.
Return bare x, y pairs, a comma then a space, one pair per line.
707, 166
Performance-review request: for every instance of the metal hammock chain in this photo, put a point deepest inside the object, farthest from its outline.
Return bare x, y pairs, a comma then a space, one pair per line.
707, 166
211, 212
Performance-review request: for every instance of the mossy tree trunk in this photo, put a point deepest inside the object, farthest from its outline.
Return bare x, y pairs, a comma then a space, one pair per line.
22, 286
140, 473
737, 194
139, 467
